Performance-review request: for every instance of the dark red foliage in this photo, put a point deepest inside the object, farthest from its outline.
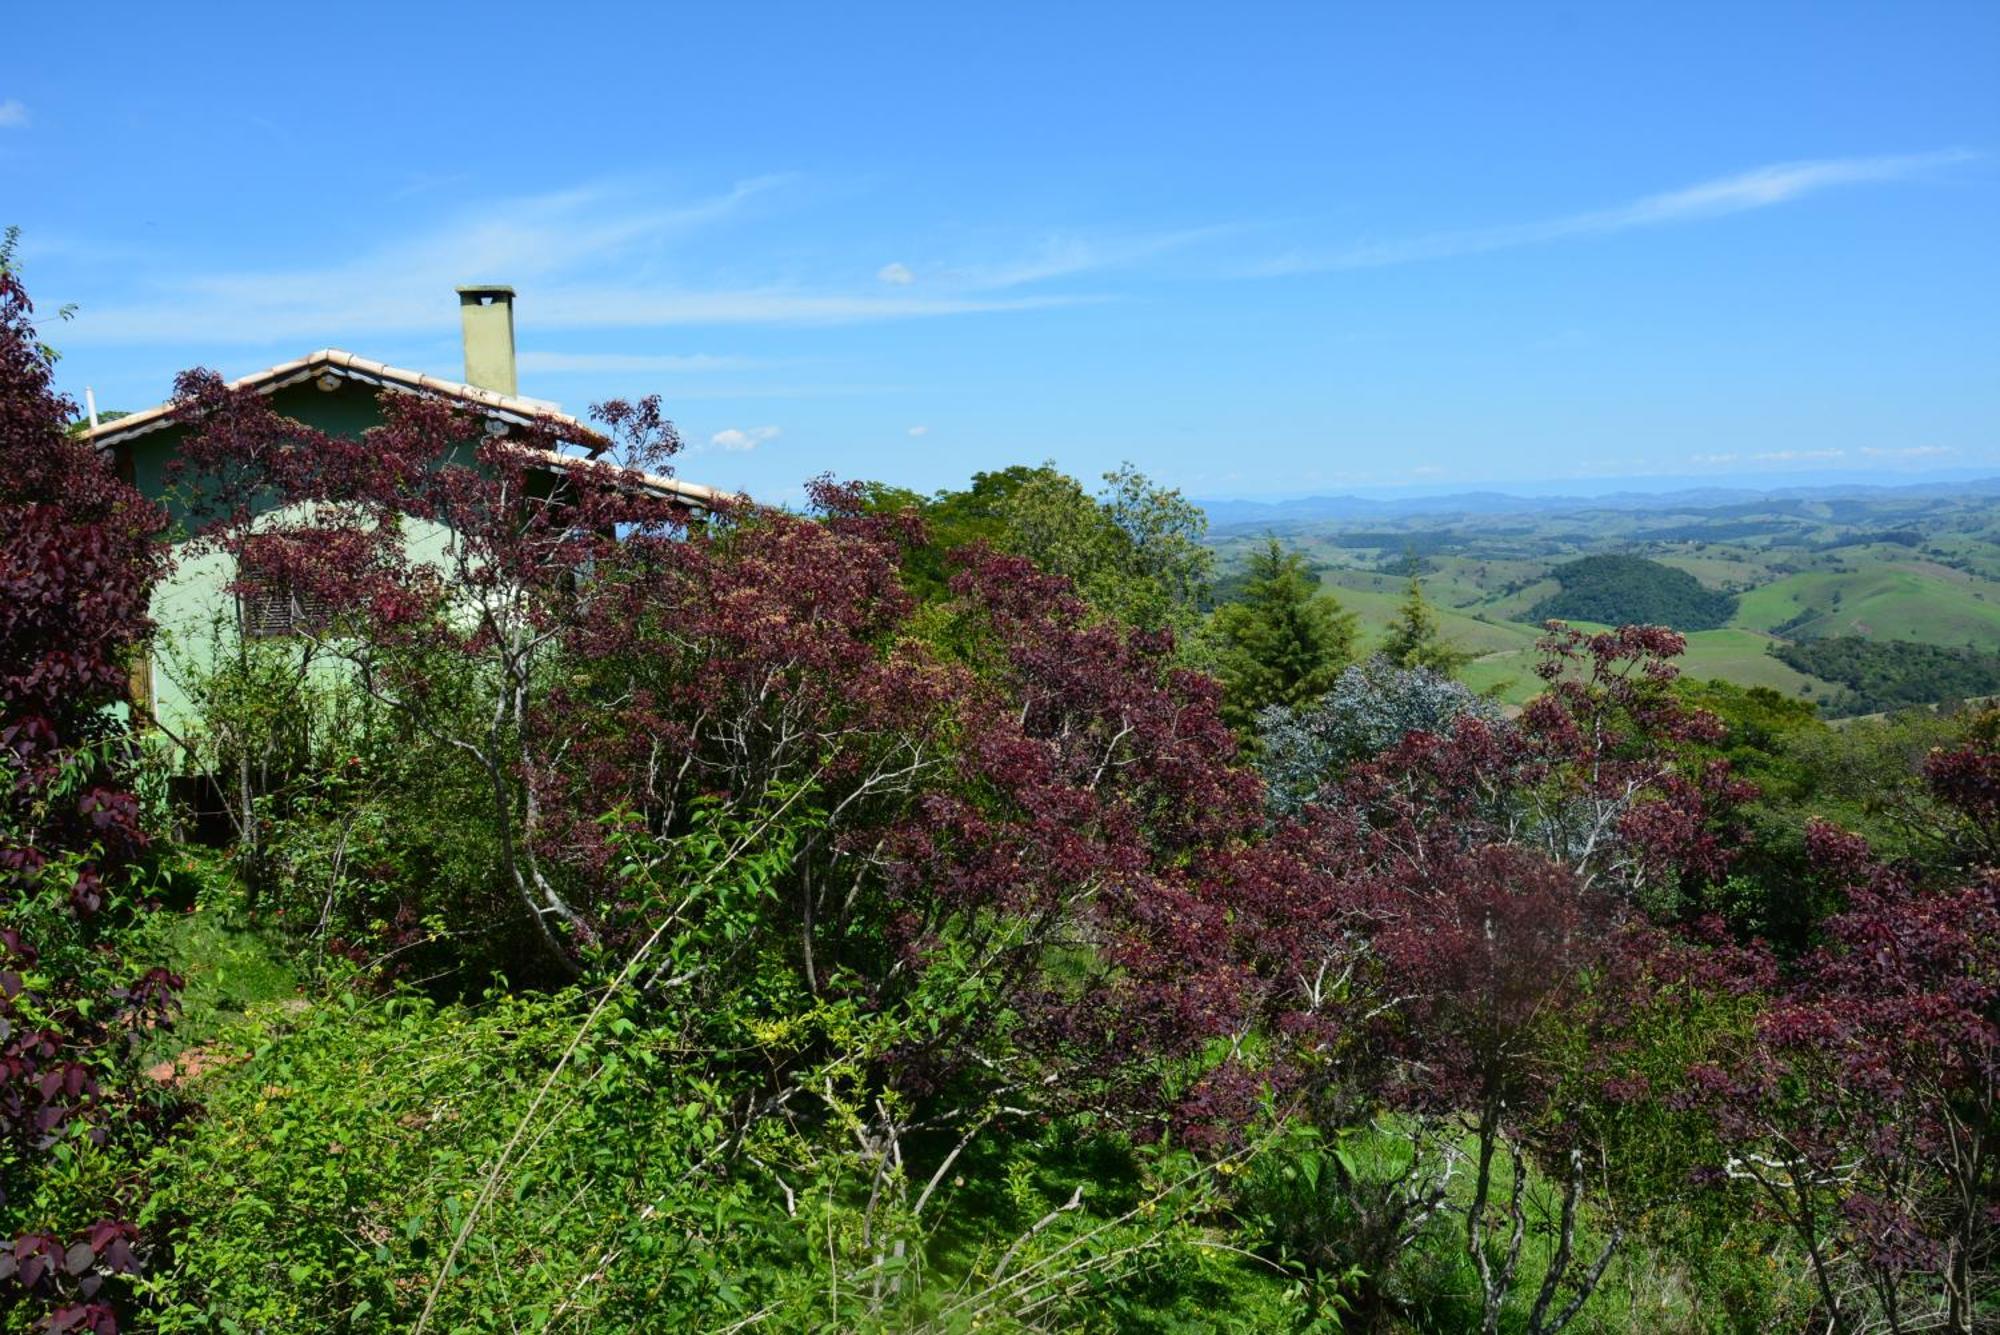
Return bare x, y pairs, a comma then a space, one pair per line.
1473, 919
1599, 774
1023, 781
77, 563
1965, 781
1868, 1113
1008, 780
1473, 881
1967, 778
79, 551
1056, 771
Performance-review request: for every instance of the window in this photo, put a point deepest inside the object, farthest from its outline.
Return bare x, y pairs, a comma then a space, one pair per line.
267, 604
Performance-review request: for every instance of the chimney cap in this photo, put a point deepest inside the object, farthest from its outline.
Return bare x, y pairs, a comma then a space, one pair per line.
478, 291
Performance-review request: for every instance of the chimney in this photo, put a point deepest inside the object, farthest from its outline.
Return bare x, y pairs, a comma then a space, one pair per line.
487, 312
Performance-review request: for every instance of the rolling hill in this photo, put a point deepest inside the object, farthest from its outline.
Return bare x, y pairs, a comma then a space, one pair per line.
1745, 576
1621, 590
1877, 603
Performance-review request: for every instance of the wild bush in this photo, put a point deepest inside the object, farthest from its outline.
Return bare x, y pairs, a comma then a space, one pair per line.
79, 551
843, 905
630, 1162
1371, 707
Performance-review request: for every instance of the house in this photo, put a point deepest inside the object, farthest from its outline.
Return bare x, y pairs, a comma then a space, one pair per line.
338, 393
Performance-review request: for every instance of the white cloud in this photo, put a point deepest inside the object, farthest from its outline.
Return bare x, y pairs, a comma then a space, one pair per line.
13, 114
1828, 455
1797, 456
1909, 452
581, 259
896, 273
920, 431
1758, 188
1426, 470
741, 439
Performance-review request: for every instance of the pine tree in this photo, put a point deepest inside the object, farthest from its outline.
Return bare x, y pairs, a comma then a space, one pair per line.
1281, 641
1416, 640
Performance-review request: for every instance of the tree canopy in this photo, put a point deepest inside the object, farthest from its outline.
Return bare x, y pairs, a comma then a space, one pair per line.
1619, 590
1416, 640
1281, 640
1134, 551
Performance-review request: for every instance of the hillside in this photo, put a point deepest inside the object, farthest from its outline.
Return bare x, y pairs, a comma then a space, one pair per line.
1618, 590
1885, 675
1933, 605
1916, 565
1743, 657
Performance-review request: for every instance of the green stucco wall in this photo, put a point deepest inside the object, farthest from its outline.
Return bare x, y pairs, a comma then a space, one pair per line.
192, 608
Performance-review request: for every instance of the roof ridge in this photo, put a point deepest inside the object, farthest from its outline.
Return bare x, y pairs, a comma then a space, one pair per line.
273, 378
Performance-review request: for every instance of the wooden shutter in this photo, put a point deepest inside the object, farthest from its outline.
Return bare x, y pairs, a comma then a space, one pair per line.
268, 605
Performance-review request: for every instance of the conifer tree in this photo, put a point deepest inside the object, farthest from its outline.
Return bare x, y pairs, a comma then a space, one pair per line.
1281, 641
1415, 638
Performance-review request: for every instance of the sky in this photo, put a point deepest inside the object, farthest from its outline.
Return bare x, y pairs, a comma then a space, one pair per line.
1256, 250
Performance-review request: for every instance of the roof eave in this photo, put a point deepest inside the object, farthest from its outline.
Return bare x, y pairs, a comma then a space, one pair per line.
508, 408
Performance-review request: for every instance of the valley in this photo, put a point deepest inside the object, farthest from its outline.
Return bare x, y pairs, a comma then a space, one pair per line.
1887, 565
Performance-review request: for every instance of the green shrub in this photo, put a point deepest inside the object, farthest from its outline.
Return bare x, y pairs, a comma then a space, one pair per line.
335, 1166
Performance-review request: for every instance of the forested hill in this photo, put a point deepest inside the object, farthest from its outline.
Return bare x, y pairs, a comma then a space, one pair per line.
1617, 590
1891, 674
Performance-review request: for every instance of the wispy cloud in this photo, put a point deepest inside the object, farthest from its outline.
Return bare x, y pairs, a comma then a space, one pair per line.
741, 439
1909, 452
920, 431
593, 363
588, 258
13, 114
752, 391
1759, 188
1066, 255
1827, 455
1797, 456
1055, 255
630, 307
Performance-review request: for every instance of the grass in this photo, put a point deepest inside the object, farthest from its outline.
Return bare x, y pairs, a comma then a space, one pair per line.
1743, 657
1715, 572
1434, 1287
231, 967
1901, 602
1947, 593
1508, 677
1739, 656
1516, 604
1504, 651
1376, 608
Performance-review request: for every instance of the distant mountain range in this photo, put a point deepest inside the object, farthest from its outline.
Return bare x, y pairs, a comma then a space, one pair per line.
1223, 515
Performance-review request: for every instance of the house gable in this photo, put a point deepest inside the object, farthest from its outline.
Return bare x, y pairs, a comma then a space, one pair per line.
339, 393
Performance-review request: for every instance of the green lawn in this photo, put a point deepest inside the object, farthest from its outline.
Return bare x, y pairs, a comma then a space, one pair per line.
1516, 604
231, 966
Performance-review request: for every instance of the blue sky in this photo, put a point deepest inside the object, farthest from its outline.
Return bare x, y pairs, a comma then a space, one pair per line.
1255, 249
